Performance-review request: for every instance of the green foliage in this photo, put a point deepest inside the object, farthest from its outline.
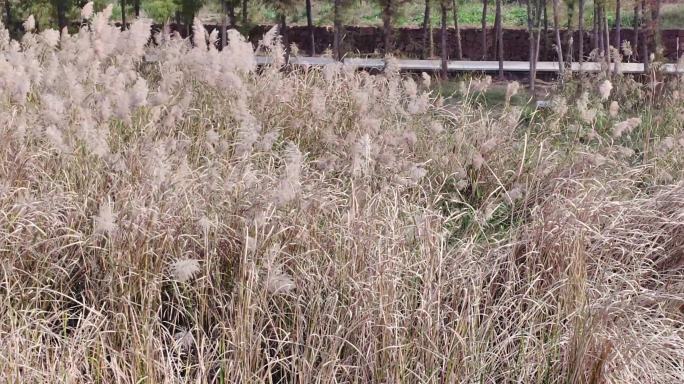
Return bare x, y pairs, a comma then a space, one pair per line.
282, 6
361, 12
159, 10
188, 9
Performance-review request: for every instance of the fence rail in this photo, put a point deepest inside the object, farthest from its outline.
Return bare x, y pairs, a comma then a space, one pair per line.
474, 66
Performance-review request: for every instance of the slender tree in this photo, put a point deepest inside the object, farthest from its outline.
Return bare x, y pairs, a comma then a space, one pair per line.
283, 8
655, 25
606, 28
531, 41
443, 44
227, 19
594, 30
637, 25
309, 24
459, 49
8, 14
232, 18
136, 8
569, 41
530, 33
285, 35
606, 37
224, 23
245, 16
657, 43
496, 37
61, 8
618, 24
534, 12
546, 27
499, 39
599, 21
580, 43
644, 37
337, 29
389, 9
559, 46
431, 42
187, 9
387, 14
427, 31
123, 14
484, 29
538, 39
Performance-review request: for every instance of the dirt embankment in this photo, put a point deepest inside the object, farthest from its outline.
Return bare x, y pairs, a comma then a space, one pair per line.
408, 42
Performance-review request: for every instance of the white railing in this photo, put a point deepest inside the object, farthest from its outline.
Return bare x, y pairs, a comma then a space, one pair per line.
472, 66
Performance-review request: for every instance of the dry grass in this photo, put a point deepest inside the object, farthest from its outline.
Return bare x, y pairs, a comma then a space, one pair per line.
191, 219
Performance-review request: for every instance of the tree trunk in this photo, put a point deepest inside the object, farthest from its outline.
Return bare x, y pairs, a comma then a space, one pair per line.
309, 24
224, 24
136, 8
427, 24
546, 28
606, 29
61, 14
559, 46
595, 33
530, 31
8, 15
459, 49
432, 43
570, 33
443, 45
337, 22
618, 24
245, 16
387, 28
637, 27
655, 23
599, 21
537, 24
499, 39
232, 19
581, 34
606, 38
123, 15
644, 37
496, 36
484, 29
285, 38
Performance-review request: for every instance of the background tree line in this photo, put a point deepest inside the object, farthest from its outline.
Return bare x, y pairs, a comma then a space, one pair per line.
543, 19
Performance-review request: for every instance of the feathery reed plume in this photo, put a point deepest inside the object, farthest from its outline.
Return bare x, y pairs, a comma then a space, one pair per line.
511, 90
87, 11
184, 270
614, 109
29, 24
105, 220
199, 34
605, 88
625, 127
